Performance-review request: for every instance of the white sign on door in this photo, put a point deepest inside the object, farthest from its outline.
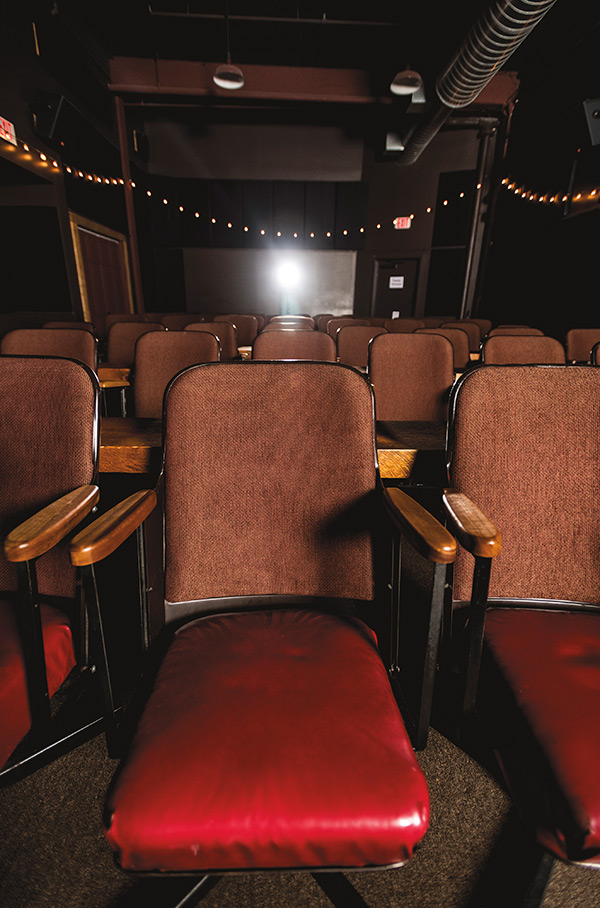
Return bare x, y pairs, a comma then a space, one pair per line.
396, 282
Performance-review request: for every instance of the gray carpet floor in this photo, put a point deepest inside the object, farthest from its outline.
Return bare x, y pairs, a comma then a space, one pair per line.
53, 853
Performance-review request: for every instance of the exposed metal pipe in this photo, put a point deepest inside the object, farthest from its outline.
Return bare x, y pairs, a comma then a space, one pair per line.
495, 36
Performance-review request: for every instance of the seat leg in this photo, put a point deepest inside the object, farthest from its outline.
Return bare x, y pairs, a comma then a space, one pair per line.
539, 883
339, 890
200, 888
167, 891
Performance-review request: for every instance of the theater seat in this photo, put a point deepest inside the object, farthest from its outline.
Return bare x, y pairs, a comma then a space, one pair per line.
273, 703
524, 452
48, 485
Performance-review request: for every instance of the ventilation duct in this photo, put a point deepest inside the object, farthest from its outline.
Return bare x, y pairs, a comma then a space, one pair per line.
498, 32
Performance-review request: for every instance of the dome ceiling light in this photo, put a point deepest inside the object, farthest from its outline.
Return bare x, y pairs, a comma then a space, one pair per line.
406, 82
227, 75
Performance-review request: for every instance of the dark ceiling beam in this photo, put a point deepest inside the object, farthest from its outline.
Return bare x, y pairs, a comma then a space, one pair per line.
284, 20
146, 77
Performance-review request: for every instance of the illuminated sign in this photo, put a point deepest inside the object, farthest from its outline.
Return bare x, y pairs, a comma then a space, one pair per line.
402, 223
7, 131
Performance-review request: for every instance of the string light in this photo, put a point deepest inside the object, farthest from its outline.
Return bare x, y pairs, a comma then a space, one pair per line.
546, 198
522, 191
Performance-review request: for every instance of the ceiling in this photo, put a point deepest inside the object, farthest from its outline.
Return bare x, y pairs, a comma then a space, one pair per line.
557, 64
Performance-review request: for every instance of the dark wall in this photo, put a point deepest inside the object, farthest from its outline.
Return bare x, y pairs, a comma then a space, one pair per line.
543, 268
58, 110
397, 191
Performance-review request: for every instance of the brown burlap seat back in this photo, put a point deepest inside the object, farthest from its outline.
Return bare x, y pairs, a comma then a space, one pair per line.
411, 375
525, 446
269, 500
122, 338
74, 343
159, 356
292, 343
224, 331
353, 343
49, 447
502, 349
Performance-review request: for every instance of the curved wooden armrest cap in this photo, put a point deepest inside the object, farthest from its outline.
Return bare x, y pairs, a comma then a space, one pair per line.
106, 534
474, 531
423, 531
44, 529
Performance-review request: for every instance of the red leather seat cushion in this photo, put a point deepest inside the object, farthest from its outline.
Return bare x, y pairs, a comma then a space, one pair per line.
550, 660
271, 739
15, 719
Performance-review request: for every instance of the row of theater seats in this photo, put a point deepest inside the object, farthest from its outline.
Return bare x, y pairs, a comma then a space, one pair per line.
272, 738
411, 367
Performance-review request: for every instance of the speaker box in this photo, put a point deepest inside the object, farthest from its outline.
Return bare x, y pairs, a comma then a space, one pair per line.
591, 107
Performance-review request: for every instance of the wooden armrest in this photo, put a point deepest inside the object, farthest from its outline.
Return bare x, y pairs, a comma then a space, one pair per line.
474, 531
41, 532
106, 534
424, 532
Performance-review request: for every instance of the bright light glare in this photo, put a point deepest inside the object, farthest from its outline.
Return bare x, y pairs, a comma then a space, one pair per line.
288, 275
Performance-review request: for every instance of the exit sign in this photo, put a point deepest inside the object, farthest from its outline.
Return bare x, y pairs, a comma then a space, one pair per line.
7, 131
402, 223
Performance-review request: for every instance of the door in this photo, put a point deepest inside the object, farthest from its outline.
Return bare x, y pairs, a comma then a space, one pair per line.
103, 270
394, 287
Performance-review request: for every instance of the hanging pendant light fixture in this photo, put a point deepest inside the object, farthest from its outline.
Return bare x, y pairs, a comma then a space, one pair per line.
227, 75
406, 82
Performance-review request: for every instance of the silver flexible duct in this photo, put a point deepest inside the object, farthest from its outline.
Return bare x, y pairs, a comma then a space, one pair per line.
495, 36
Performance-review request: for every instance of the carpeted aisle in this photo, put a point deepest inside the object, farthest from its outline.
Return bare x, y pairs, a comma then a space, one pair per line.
53, 853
